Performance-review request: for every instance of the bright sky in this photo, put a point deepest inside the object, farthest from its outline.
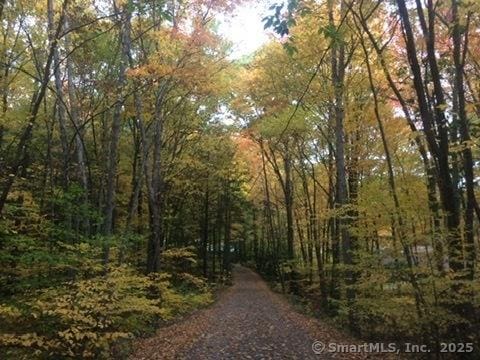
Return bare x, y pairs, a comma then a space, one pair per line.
245, 27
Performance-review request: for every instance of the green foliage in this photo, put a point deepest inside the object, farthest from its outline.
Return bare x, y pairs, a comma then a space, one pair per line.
86, 318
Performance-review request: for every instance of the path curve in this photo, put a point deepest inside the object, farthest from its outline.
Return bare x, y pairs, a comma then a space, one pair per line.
249, 321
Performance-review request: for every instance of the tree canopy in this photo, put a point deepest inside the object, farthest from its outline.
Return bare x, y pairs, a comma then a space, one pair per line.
139, 161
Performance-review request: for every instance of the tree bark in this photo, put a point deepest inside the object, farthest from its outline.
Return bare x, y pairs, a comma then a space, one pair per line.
60, 101
440, 149
205, 230
112, 158
459, 93
14, 168
155, 243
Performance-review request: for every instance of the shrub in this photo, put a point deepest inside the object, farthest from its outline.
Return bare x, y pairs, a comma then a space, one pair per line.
84, 319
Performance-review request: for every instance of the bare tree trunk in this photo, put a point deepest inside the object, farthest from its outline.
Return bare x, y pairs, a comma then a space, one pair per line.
288, 190
141, 169
205, 230
228, 228
268, 212
338, 76
79, 146
155, 243
256, 252
301, 239
137, 175
459, 93
60, 100
398, 222
429, 169
438, 149
111, 185
18, 161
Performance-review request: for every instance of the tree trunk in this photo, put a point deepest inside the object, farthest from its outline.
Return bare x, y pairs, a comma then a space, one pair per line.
439, 150
288, 191
79, 146
398, 222
228, 233
459, 93
155, 243
341, 199
18, 161
112, 158
205, 230
60, 101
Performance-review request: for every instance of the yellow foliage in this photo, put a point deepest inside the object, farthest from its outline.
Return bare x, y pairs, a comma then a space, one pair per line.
84, 318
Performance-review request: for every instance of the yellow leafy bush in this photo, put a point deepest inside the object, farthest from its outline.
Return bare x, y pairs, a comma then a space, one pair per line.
85, 318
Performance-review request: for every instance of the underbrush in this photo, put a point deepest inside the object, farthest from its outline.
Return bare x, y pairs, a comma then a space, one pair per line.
96, 317
385, 310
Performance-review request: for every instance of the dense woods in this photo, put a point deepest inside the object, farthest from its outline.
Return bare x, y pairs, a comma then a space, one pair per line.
139, 161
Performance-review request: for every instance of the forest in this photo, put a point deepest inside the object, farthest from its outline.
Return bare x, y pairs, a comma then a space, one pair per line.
139, 162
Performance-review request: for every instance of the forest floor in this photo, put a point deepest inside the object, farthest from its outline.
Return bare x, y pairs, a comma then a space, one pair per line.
248, 321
